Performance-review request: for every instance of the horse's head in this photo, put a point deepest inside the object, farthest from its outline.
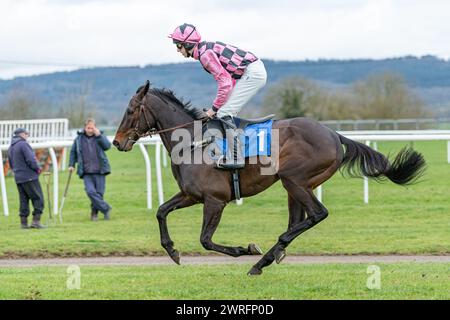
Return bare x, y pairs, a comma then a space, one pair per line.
136, 121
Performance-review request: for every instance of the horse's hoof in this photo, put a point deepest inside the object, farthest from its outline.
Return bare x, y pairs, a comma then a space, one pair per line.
254, 272
254, 249
279, 256
175, 255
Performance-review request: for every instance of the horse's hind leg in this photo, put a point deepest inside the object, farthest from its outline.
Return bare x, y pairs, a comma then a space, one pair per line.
212, 212
316, 212
297, 214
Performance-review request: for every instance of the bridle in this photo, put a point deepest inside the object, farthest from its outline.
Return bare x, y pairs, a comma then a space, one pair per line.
154, 131
150, 131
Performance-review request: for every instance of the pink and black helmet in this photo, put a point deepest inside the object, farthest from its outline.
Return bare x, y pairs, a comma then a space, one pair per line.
186, 34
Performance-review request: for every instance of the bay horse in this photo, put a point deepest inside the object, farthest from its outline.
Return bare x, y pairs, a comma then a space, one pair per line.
309, 154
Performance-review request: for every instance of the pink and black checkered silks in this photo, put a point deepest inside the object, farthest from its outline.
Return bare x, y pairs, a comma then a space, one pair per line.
232, 59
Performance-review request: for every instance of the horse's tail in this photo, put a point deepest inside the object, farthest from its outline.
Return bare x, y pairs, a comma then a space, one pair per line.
360, 160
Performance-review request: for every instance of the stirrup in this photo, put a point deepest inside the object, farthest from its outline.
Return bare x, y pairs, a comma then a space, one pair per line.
222, 163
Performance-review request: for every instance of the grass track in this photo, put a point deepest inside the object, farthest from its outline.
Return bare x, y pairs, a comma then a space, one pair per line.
398, 220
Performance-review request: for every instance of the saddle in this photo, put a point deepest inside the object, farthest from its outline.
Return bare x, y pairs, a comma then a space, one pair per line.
243, 123
221, 126
240, 123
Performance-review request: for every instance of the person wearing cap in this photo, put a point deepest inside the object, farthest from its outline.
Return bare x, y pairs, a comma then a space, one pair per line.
88, 150
25, 167
239, 75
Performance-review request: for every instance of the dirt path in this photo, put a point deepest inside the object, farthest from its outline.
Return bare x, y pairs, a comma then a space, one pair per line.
211, 260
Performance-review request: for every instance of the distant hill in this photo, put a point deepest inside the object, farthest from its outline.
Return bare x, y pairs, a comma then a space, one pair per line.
110, 88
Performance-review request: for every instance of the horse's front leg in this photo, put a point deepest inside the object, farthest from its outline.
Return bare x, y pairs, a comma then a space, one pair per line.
180, 200
212, 212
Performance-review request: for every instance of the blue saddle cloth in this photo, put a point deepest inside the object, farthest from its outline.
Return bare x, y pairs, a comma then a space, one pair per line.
255, 141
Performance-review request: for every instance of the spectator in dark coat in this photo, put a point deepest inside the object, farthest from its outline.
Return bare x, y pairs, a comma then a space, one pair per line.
88, 150
25, 167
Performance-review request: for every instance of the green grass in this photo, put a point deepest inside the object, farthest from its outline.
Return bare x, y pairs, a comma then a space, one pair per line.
398, 220
412, 220
340, 281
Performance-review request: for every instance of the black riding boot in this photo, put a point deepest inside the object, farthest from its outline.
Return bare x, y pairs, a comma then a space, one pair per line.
234, 159
37, 222
24, 222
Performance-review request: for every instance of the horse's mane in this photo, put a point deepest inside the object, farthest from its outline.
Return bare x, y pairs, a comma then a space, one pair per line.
168, 96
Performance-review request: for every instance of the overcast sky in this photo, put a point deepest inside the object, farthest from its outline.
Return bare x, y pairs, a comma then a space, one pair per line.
69, 34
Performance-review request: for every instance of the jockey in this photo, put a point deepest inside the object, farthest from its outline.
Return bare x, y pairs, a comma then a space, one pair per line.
239, 75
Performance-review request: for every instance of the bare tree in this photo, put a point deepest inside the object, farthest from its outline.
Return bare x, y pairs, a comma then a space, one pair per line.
295, 97
387, 96
77, 108
378, 97
21, 104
